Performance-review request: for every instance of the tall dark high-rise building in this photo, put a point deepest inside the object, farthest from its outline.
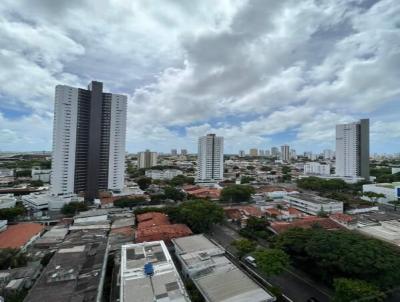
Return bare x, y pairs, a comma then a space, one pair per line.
88, 141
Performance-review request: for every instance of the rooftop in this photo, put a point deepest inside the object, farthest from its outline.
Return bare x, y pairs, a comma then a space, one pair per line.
313, 198
306, 223
74, 272
17, 236
149, 274
217, 278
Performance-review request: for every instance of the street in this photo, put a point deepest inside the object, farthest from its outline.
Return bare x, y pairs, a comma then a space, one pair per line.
294, 284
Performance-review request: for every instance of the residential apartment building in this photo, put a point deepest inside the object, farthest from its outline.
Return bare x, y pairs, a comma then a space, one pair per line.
313, 204
253, 152
242, 153
174, 152
147, 159
315, 168
285, 153
88, 140
329, 154
274, 152
352, 149
163, 174
210, 161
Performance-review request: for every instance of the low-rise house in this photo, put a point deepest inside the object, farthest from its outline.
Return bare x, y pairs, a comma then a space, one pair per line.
76, 271
305, 223
241, 214
214, 275
21, 235
41, 174
203, 192
163, 174
391, 191
155, 226
7, 201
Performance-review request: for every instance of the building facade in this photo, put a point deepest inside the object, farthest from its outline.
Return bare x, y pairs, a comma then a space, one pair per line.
352, 149
253, 152
149, 274
163, 174
147, 159
88, 140
210, 161
285, 153
315, 168
313, 204
274, 152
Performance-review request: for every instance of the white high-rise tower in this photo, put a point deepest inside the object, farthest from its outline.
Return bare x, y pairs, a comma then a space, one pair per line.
285, 153
88, 141
352, 149
210, 161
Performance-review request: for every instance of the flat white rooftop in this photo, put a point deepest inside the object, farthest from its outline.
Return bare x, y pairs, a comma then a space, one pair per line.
162, 285
216, 277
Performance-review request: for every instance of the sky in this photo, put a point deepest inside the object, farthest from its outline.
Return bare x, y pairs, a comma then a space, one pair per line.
260, 73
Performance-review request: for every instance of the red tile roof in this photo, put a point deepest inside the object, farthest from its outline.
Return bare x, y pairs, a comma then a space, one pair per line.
341, 217
233, 214
205, 192
306, 223
16, 236
293, 211
162, 232
151, 219
156, 226
273, 211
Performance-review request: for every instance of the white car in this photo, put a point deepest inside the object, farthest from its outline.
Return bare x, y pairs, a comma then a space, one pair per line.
251, 260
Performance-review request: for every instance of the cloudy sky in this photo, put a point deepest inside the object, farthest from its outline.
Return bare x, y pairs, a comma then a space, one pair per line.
260, 73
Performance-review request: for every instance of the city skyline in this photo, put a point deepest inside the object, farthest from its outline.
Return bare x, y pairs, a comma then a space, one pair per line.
189, 70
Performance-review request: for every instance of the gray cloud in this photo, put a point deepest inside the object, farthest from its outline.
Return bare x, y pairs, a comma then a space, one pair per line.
298, 66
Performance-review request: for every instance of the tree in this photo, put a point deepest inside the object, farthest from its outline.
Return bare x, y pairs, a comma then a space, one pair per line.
395, 203
181, 180
237, 193
373, 196
73, 208
200, 215
271, 261
11, 258
23, 173
173, 193
246, 179
323, 185
286, 169
342, 254
129, 202
36, 183
255, 228
143, 182
244, 246
11, 214
348, 290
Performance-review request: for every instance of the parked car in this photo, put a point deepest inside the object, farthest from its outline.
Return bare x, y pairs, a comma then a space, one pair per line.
251, 260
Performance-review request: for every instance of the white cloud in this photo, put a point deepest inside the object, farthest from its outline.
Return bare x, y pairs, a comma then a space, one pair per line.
247, 70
